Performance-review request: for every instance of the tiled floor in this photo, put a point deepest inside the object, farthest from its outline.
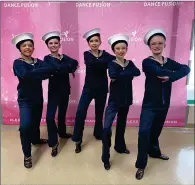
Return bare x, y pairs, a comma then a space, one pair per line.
87, 168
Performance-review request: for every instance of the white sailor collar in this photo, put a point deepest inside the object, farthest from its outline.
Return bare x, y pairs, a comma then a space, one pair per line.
99, 54
60, 56
164, 59
125, 65
34, 61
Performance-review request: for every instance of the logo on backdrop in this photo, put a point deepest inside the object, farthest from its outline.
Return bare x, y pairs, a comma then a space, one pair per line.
165, 4
65, 36
93, 4
134, 36
21, 5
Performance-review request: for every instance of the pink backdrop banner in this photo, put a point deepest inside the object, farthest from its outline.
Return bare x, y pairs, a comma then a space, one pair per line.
73, 19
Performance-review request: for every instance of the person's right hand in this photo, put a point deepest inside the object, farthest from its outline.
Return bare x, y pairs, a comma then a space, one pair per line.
163, 78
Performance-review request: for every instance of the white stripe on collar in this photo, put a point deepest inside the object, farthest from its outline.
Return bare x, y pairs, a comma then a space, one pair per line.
100, 54
61, 56
165, 59
126, 62
34, 61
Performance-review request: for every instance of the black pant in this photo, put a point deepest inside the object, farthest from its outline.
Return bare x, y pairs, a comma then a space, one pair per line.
151, 124
30, 118
54, 101
86, 98
110, 114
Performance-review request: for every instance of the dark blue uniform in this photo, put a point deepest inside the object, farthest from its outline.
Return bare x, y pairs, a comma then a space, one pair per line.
121, 97
58, 96
95, 87
30, 99
155, 105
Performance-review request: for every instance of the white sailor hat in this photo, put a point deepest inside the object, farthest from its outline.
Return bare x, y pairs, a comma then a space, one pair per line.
151, 33
91, 32
117, 37
51, 34
21, 37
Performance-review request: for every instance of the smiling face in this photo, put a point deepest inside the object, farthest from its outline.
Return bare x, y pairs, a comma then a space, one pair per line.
120, 50
53, 45
94, 43
157, 44
27, 48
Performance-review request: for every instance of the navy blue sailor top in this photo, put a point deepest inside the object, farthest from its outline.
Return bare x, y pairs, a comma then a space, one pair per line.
157, 93
121, 90
96, 78
30, 78
60, 83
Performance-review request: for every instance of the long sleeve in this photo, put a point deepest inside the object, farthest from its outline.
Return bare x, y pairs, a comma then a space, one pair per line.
151, 67
38, 72
133, 70
180, 71
115, 72
67, 65
72, 63
55, 64
97, 65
